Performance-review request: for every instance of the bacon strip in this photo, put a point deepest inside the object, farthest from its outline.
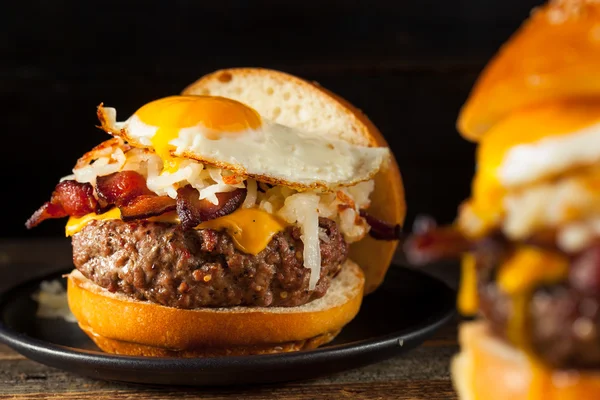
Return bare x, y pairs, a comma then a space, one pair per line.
431, 244
121, 188
435, 245
128, 191
46, 211
192, 211
146, 206
69, 198
382, 230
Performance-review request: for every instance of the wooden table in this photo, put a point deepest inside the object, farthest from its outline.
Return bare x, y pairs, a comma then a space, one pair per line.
420, 374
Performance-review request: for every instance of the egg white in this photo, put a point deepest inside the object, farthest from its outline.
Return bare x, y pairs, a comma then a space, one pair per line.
529, 163
272, 153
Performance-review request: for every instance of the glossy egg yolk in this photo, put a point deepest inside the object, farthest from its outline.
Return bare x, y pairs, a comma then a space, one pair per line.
213, 116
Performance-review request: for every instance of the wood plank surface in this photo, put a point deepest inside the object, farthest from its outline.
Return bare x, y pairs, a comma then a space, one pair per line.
401, 390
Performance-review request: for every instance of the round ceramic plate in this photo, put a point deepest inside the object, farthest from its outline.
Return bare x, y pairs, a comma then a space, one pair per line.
399, 316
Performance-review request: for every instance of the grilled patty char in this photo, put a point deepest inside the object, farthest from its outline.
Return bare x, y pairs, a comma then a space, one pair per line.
562, 320
167, 265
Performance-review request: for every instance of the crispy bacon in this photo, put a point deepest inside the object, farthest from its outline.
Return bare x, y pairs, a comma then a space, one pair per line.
446, 243
69, 198
436, 244
77, 199
382, 230
192, 211
429, 243
46, 211
128, 191
120, 188
146, 206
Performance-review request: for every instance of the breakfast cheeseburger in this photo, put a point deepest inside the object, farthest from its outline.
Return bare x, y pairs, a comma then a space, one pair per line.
231, 219
529, 236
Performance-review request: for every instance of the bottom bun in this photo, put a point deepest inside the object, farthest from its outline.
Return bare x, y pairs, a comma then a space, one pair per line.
121, 325
116, 346
489, 369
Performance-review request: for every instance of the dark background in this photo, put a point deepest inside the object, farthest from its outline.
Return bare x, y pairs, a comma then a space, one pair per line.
408, 65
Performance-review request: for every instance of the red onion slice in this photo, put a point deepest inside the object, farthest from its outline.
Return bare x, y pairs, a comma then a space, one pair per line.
382, 230
192, 211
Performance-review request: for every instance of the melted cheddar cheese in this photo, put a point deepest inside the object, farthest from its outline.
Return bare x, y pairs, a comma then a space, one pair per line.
529, 267
251, 229
468, 301
75, 224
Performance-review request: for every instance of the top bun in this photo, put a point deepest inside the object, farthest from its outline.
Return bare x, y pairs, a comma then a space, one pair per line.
554, 55
291, 101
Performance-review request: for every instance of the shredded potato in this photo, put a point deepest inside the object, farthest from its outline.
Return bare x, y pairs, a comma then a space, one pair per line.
104, 165
301, 209
251, 194
52, 301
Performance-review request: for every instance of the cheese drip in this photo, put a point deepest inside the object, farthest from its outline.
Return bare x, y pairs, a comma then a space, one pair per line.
525, 269
468, 302
529, 267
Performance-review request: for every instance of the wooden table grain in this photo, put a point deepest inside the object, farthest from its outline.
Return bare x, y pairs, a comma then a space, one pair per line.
420, 374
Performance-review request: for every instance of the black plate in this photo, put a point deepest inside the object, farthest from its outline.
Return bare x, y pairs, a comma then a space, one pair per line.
399, 316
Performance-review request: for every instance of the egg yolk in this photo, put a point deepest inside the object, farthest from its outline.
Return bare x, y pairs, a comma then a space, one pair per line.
215, 114
524, 127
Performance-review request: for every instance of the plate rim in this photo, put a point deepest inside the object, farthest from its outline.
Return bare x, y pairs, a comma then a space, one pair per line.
44, 350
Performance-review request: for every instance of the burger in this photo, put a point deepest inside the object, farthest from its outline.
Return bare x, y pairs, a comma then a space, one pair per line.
248, 215
529, 235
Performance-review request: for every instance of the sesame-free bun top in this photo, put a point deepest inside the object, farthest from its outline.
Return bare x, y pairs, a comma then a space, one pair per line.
294, 102
555, 55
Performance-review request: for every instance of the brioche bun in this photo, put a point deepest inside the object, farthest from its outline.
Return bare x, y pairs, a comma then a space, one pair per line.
121, 325
294, 102
555, 55
488, 368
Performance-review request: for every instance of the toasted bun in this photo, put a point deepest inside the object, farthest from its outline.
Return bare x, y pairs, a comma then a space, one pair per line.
489, 369
118, 324
294, 102
555, 55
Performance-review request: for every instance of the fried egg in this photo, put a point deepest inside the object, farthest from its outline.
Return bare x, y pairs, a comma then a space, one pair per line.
537, 170
537, 143
230, 135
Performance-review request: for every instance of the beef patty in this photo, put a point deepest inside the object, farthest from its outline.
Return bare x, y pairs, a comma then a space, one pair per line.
562, 320
167, 265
